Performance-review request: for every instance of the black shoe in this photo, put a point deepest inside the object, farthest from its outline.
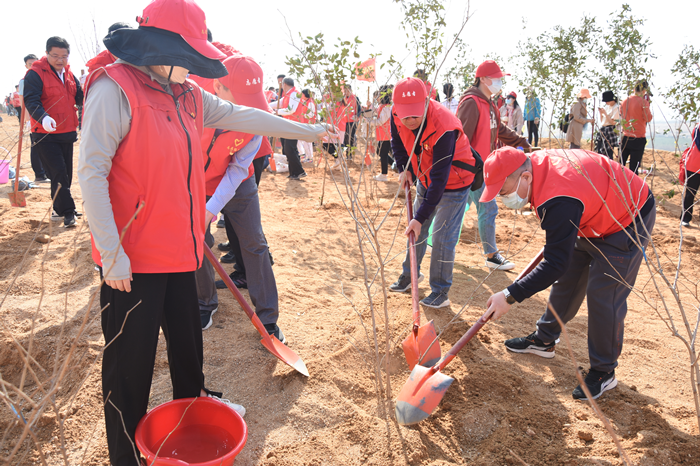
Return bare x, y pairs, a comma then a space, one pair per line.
206, 317
531, 344
498, 262
220, 223
597, 382
301, 175
238, 279
228, 258
69, 220
224, 246
77, 214
274, 330
220, 285
297, 177
41, 179
404, 283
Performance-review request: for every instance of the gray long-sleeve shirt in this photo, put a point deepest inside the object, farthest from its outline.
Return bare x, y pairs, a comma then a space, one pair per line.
108, 121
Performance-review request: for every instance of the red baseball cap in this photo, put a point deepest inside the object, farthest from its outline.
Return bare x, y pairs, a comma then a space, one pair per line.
183, 17
498, 166
244, 80
513, 95
409, 98
489, 69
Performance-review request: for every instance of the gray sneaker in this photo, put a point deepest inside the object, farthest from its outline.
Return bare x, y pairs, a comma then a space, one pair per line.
206, 317
404, 283
435, 300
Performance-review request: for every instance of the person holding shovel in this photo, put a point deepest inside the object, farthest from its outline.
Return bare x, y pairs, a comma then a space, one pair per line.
598, 217
141, 170
444, 167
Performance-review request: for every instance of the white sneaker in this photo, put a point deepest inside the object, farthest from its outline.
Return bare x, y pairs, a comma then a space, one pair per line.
237, 408
685, 224
337, 164
381, 178
498, 262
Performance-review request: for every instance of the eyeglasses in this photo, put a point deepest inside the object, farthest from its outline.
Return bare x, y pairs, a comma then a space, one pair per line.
56, 57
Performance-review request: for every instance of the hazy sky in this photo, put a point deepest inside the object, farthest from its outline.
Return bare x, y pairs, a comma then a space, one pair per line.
258, 28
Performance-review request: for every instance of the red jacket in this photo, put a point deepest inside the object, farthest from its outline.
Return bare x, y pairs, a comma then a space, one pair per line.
593, 179
439, 120
57, 98
383, 132
481, 139
103, 58
218, 149
158, 163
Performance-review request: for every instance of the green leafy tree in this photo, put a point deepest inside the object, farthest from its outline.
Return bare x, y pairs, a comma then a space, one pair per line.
623, 53
684, 94
461, 75
423, 23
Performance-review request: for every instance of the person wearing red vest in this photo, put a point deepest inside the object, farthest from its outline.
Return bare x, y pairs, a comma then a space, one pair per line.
482, 124
444, 168
352, 106
691, 180
308, 115
423, 76
51, 94
232, 188
290, 109
598, 217
37, 167
16, 102
141, 170
382, 121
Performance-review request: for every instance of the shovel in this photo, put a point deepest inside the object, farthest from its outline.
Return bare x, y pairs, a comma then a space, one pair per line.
17, 198
421, 345
427, 385
273, 345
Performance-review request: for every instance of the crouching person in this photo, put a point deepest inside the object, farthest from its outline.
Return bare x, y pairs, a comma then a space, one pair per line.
140, 150
598, 217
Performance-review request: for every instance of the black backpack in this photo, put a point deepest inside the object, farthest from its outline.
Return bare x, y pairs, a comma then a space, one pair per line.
477, 169
564, 123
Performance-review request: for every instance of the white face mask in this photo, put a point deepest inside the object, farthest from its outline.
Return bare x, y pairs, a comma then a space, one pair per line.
513, 200
496, 85
175, 74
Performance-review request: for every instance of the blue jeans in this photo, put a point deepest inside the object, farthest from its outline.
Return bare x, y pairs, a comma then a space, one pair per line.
487, 212
447, 217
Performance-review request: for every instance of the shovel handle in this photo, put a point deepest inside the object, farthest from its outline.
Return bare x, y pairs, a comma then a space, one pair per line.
414, 262
449, 356
237, 294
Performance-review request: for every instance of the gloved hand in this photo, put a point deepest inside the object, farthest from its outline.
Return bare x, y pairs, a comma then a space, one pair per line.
49, 124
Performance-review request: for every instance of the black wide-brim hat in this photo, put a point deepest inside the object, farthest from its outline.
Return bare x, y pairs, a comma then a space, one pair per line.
149, 46
609, 96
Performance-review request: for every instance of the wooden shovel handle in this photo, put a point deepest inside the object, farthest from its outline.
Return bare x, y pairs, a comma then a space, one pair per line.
414, 262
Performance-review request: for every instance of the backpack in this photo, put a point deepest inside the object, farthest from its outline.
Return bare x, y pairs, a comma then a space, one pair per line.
564, 123
477, 169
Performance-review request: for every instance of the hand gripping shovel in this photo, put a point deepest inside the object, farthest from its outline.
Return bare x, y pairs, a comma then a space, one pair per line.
421, 345
273, 345
17, 198
427, 385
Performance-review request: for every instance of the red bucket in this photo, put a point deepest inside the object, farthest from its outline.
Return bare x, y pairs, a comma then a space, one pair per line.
209, 433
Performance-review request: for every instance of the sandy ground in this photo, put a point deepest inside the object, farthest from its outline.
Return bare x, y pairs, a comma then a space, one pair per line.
499, 406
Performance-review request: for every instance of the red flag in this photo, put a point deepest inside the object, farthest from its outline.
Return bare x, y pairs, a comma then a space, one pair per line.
365, 70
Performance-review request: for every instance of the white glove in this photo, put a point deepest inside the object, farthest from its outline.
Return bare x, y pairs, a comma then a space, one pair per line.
26, 126
49, 124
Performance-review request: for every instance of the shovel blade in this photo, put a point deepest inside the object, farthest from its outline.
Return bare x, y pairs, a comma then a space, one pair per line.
285, 354
17, 199
423, 349
421, 394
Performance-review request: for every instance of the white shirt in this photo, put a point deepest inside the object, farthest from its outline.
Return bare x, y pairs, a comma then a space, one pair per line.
62, 75
451, 104
294, 100
611, 115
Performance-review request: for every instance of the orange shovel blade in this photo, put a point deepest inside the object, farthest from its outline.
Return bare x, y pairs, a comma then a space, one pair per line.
17, 199
285, 354
423, 348
421, 394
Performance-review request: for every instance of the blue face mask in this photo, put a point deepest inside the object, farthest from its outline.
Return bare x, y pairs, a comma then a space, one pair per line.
513, 200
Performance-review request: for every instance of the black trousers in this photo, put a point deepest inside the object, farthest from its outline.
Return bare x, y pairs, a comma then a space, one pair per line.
350, 131
289, 149
57, 159
692, 186
19, 114
632, 148
384, 151
168, 301
533, 133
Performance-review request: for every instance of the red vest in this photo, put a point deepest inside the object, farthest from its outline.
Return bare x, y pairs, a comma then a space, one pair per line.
15, 99
296, 116
692, 163
439, 120
305, 104
269, 95
158, 163
103, 58
481, 140
383, 132
218, 149
591, 178
57, 98
350, 108
433, 93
